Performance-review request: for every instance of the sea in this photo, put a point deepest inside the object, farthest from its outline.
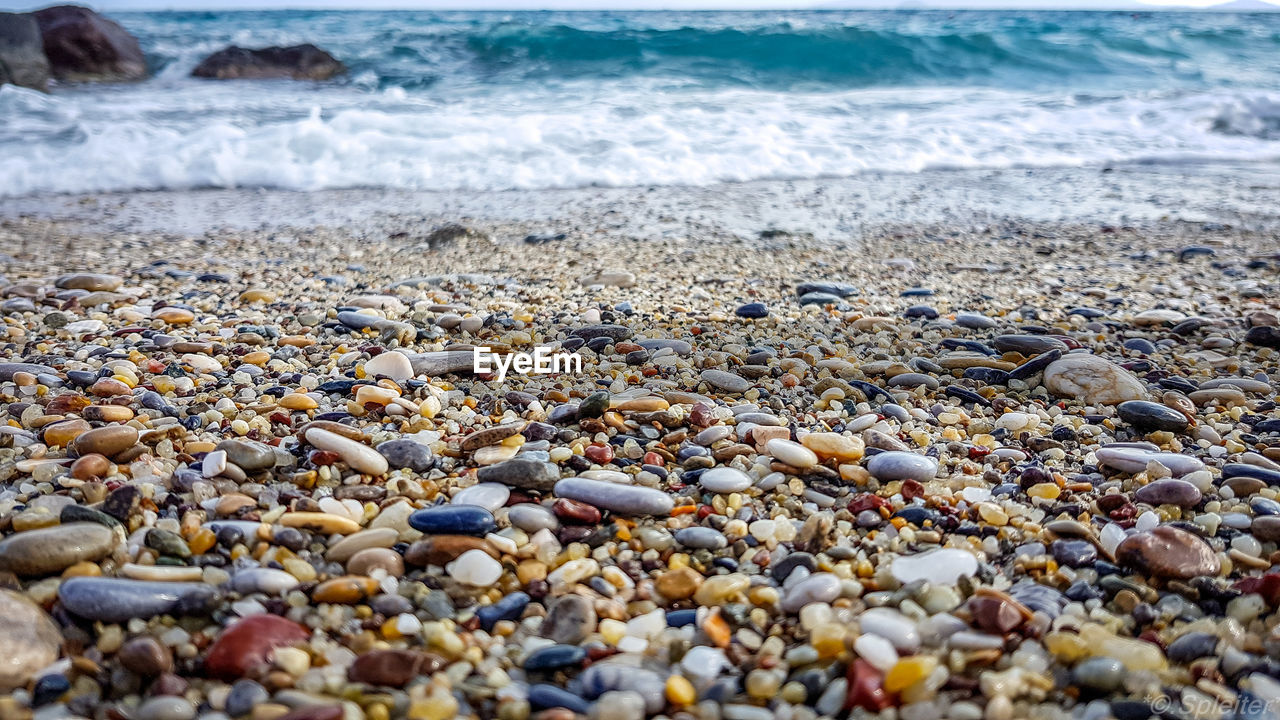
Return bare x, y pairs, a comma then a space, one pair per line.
488, 101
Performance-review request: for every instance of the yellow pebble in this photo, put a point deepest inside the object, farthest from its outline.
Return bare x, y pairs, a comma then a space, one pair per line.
1047, 490
680, 691
909, 671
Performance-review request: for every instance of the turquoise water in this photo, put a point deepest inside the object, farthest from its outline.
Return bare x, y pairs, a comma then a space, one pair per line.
534, 100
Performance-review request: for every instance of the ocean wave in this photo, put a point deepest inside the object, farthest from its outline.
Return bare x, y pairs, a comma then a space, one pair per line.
627, 139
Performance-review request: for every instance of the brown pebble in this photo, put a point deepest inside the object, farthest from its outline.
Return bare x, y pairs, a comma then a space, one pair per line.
443, 549
145, 656
1168, 552
370, 559
90, 466
392, 668
110, 440
679, 584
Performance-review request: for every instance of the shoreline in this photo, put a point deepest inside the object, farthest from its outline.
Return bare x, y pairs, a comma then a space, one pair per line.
831, 209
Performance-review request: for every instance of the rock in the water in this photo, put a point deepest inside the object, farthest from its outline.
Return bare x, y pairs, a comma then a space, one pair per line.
1092, 379
624, 499
248, 645
899, 465
112, 600
45, 551
300, 62
29, 637
1150, 416
22, 59
944, 566
83, 46
1168, 552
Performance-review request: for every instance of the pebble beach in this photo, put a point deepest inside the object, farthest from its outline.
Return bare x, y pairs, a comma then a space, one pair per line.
996, 470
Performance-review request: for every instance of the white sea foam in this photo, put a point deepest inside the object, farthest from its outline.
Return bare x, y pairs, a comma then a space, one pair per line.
175, 133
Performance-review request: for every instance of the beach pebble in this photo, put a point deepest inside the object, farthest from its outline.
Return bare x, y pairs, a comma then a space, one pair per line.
899, 465
1092, 379
30, 638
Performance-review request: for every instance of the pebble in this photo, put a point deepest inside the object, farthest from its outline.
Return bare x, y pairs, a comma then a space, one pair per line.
623, 499
1092, 380
360, 457
406, 454
1149, 416
115, 599
944, 566
725, 480
45, 551
1169, 491
30, 638
726, 381
453, 520
1168, 552
899, 465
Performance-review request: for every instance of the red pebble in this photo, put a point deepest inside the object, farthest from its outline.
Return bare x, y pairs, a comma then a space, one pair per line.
867, 501
1268, 586
700, 415
912, 489
323, 457
653, 458
866, 688
598, 453
246, 646
578, 512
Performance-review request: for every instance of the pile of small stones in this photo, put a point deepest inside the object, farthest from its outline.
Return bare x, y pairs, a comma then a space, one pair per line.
1004, 472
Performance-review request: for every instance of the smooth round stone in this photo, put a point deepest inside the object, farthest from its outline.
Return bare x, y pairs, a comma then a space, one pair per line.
604, 677
45, 551
1266, 528
1169, 491
724, 480
531, 518
944, 566
263, 580
900, 465
726, 381
453, 520
145, 656
1192, 646
1074, 553
114, 600
1027, 344
487, 495
30, 639
166, 707
892, 626
1135, 460
93, 282
974, 321
522, 472
623, 499
819, 587
701, 537
359, 456
752, 310
791, 453
1149, 416
1244, 470
1099, 673
244, 695
1246, 384
569, 619
911, 380
394, 365
1092, 380
109, 441
554, 658
248, 645
545, 696
1168, 552
476, 568
248, 455
342, 550
406, 454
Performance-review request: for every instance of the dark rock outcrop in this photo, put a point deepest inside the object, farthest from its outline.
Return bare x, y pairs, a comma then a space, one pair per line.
83, 46
300, 62
22, 59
